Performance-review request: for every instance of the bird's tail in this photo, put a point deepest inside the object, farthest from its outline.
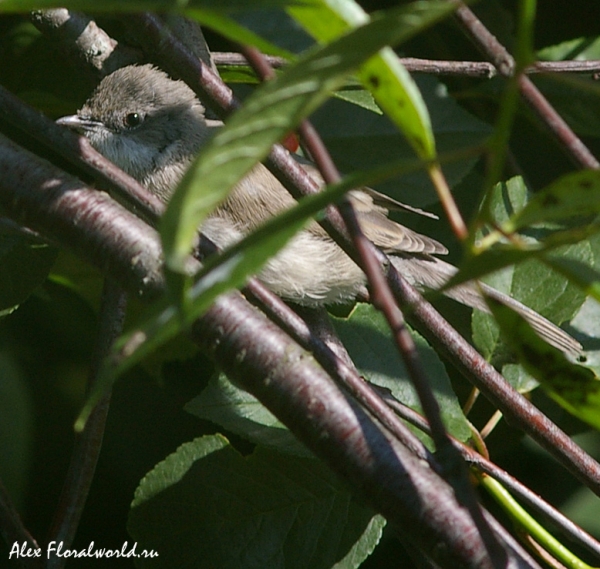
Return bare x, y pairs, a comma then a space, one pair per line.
430, 273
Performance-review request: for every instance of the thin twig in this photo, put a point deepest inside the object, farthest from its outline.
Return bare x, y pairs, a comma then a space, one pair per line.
89, 442
15, 533
173, 56
382, 299
482, 69
505, 64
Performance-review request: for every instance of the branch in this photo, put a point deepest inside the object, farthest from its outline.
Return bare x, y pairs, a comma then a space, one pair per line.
275, 369
84, 40
505, 64
480, 69
172, 56
14, 532
88, 443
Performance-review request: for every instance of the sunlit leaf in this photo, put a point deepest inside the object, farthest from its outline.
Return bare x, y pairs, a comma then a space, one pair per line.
262, 510
391, 85
241, 413
576, 194
576, 388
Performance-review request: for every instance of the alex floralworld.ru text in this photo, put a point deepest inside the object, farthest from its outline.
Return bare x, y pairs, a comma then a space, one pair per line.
23, 550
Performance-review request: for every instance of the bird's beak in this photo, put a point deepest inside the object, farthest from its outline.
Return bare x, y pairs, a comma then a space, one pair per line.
78, 124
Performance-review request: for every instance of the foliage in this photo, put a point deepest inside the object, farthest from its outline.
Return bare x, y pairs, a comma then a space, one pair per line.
216, 480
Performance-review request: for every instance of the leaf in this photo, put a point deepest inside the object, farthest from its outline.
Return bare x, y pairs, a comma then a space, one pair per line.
271, 112
241, 413
586, 277
525, 275
220, 274
576, 194
384, 75
582, 49
522, 381
229, 28
25, 265
366, 336
574, 387
361, 140
206, 502
535, 285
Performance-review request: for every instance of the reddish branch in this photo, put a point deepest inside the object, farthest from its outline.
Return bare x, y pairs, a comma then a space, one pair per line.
505, 64
274, 368
479, 69
171, 55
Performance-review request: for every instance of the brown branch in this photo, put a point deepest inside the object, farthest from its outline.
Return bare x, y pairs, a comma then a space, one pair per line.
88, 443
14, 532
482, 69
505, 64
274, 368
84, 40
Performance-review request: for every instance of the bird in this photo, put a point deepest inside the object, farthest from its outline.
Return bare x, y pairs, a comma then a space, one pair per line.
153, 126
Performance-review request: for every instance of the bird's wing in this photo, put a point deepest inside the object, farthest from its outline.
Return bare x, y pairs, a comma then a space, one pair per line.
387, 234
389, 203
372, 211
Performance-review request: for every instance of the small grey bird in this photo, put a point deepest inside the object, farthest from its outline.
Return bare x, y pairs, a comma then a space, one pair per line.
152, 127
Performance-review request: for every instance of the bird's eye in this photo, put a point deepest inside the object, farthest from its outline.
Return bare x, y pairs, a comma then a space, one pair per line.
133, 119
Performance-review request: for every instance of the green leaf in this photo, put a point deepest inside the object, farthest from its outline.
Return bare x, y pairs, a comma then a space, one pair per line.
516, 375
206, 502
524, 274
241, 413
360, 98
366, 336
384, 75
534, 284
576, 388
576, 194
273, 110
25, 266
220, 274
359, 140
230, 29
582, 49
586, 277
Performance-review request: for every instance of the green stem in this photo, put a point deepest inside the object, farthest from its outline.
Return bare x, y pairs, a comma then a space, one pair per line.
529, 525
